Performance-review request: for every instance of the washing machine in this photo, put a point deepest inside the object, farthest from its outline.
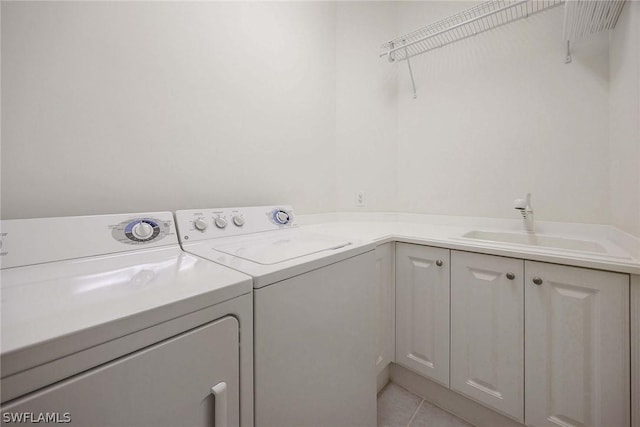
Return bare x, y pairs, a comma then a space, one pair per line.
107, 322
314, 336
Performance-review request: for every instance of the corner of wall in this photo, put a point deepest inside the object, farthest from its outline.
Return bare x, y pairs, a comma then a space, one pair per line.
624, 126
365, 107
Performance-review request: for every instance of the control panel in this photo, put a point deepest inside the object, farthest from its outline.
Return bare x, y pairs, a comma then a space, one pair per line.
140, 230
200, 224
39, 240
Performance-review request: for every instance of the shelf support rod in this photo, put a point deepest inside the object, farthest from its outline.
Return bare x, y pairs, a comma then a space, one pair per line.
567, 58
565, 31
413, 83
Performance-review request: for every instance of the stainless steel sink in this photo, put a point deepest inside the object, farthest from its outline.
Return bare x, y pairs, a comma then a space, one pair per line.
533, 239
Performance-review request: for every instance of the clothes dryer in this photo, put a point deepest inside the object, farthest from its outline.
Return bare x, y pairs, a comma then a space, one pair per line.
106, 321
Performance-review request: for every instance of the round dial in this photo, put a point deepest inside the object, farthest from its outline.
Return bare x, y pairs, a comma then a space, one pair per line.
238, 220
281, 217
220, 222
142, 230
200, 224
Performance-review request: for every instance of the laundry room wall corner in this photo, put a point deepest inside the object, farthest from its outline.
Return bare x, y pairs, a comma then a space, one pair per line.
366, 106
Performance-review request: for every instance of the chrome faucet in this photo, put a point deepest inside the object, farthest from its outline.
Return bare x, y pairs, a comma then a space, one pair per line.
524, 206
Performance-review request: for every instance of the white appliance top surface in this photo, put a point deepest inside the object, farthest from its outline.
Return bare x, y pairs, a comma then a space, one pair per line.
276, 247
273, 256
262, 244
53, 309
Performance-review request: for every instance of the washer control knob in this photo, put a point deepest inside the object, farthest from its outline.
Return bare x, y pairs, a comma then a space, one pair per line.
220, 222
200, 224
238, 220
142, 230
281, 217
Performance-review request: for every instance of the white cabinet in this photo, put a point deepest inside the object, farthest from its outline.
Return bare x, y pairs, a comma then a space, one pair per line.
167, 384
577, 346
386, 305
546, 344
487, 330
422, 310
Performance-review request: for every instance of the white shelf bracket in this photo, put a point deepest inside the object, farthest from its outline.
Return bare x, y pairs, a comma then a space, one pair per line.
567, 58
390, 53
413, 83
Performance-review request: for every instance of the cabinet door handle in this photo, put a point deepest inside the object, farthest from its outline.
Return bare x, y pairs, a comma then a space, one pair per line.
439, 263
219, 392
537, 280
511, 276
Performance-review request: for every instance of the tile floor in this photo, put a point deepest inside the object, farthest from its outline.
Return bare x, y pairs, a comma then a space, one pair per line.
398, 407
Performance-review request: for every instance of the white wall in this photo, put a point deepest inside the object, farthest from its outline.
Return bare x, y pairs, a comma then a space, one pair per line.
132, 106
499, 115
625, 120
366, 120
138, 106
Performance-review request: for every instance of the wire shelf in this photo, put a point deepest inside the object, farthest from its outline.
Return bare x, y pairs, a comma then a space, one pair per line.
584, 17
476, 20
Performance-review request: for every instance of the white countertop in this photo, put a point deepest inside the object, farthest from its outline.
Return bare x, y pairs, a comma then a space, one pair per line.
622, 250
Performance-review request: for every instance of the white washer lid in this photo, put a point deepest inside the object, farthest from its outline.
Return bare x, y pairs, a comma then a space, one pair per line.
279, 246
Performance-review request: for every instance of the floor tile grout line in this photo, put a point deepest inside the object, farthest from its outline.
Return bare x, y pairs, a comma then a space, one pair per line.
415, 413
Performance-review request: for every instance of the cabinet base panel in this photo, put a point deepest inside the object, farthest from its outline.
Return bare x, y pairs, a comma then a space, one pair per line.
635, 350
448, 400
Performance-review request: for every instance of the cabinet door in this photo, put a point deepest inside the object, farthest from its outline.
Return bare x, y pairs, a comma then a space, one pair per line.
422, 310
577, 346
386, 305
487, 330
168, 384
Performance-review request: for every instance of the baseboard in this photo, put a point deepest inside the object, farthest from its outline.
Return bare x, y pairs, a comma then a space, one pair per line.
383, 378
450, 401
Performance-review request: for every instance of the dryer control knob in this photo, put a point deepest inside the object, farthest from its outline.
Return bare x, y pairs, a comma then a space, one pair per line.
220, 222
200, 224
142, 230
238, 220
281, 217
